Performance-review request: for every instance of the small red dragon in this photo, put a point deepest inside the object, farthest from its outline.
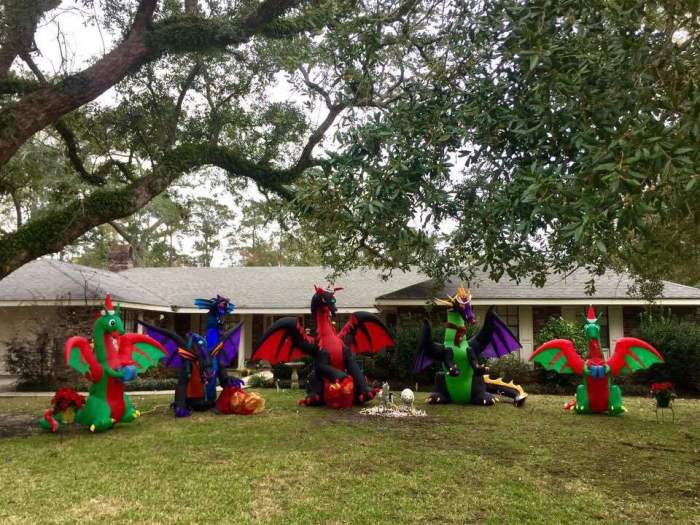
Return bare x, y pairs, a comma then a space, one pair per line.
335, 379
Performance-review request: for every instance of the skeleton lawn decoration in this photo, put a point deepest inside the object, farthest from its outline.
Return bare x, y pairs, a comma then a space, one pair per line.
387, 407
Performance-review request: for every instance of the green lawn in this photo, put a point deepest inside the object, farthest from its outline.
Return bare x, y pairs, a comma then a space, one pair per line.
304, 465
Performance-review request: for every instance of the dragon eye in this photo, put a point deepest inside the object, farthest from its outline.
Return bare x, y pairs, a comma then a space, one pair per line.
112, 322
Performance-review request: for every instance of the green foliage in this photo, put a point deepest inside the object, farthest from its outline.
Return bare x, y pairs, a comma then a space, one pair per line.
39, 364
559, 328
679, 344
258, 381
511, 368
396, 364
547, 135
575, 119
260, 241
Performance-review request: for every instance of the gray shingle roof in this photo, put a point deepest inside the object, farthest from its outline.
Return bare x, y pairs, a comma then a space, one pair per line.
608, 286
50, 280
266, 287
285, 288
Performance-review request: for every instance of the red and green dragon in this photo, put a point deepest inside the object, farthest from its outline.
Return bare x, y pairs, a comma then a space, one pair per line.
597, 394
114, 358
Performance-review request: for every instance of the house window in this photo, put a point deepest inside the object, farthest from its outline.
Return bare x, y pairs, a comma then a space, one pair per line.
130, 317
509, 315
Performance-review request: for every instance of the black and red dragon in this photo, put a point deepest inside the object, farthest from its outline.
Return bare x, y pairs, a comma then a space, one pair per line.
335, 379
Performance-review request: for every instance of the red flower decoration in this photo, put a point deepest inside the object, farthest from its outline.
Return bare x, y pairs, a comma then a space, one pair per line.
661, 387
66, 398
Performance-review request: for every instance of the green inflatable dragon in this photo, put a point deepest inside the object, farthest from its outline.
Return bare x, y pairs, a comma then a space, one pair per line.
117, 357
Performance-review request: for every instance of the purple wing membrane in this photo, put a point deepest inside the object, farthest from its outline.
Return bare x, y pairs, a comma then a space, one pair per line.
170, 341
423, 361
425, 356
231, 341
502, 341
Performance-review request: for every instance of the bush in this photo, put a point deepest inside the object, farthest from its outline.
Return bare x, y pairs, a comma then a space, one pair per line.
258, 381
151, 383
559, 328
40, 365
679, 343
510, 368
396, 364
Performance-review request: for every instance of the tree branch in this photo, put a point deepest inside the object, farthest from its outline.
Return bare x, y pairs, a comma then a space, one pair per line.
122, 231
18, 207
145, 42
316, 87
17, 31
56, 228
66, 134
305, 159
74, 155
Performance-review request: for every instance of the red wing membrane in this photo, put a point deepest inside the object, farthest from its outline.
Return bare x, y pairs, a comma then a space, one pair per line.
632, 354
366, 333
284, 341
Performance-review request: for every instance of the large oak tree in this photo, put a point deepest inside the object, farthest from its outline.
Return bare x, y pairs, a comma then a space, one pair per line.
540, 135
189, 80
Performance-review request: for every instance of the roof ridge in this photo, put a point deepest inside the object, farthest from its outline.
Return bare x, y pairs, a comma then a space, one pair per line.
139, 285
695, 288
57, 267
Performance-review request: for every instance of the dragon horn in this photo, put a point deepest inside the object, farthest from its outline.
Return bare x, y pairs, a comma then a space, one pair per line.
317, 289
591, 317
337, 289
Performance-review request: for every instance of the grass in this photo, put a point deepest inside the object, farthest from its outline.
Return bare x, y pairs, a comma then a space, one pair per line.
303, 465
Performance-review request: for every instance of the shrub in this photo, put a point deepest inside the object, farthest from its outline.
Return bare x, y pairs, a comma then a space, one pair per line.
151, 383
40, 365
510, 368
559, 328
258, 381
679, 344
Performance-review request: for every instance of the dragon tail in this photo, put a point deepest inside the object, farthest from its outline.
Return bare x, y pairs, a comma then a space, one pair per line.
47, 422
500, 387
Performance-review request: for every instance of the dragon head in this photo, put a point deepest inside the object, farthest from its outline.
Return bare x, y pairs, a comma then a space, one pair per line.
591, 330
198, 346
324, 298
108, 327
460, 302
218, 307
109, 319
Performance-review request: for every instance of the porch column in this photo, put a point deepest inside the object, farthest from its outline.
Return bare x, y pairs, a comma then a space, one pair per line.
245, 350
615, 325
526, 331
